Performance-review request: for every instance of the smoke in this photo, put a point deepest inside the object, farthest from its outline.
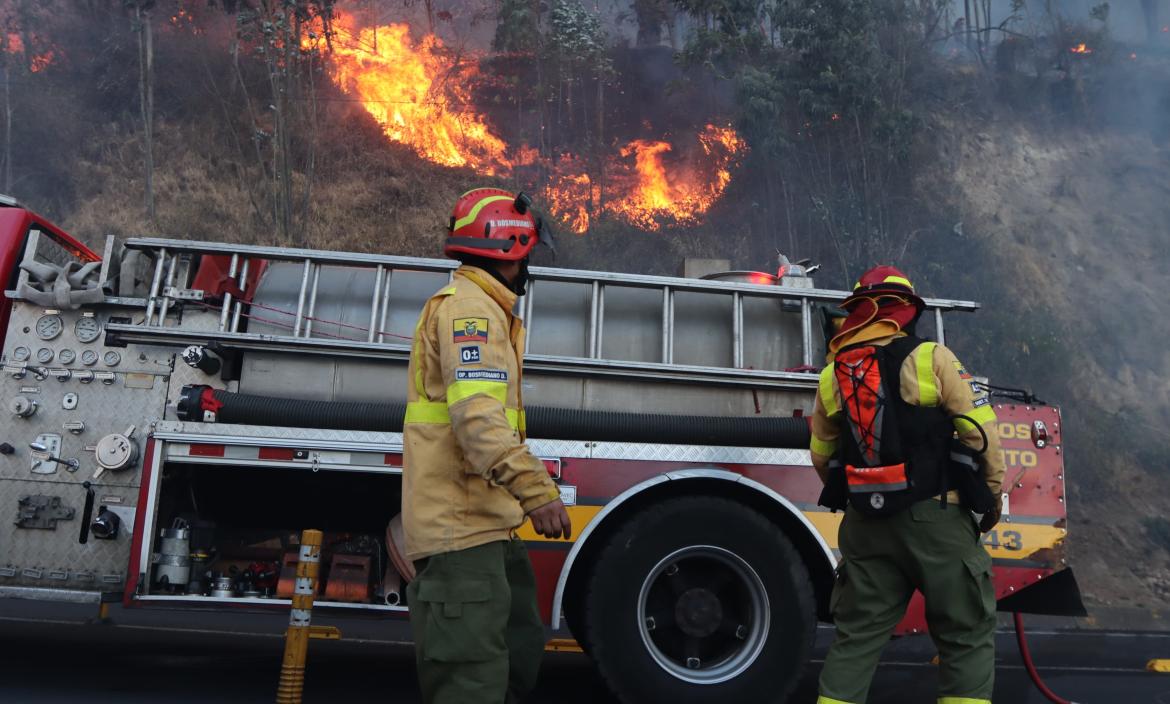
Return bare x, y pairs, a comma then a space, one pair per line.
1127, 21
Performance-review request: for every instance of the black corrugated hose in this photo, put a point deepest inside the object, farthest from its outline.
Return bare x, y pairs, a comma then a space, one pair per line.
542, 421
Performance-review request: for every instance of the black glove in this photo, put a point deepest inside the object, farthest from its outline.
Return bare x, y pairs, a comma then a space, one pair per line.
992, 517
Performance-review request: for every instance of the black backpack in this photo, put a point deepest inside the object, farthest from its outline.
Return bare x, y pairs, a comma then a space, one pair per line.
890, 454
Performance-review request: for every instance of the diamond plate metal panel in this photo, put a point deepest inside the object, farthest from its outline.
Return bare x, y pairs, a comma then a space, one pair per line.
560, 448
54, 558
102, 408
249, 434
700, 454
253, 434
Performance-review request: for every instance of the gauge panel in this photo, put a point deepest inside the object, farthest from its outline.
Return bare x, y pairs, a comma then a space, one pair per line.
87, 329
49, 326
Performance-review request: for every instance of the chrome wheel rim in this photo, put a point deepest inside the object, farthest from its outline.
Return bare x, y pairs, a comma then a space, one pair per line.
703, 614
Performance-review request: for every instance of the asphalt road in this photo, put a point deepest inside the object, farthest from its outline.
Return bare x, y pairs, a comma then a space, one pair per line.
49, 653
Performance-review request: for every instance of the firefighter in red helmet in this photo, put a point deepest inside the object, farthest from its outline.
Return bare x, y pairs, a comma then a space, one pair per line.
469, 480
905, 441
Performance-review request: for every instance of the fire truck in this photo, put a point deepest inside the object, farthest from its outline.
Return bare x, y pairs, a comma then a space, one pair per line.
177, 411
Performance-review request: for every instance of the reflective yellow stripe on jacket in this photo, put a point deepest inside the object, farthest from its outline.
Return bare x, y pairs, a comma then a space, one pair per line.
828, 392
924, 366
982, 416
436, 413
825, 448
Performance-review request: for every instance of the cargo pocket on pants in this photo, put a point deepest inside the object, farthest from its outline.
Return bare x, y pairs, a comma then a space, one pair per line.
461, 624
979, 565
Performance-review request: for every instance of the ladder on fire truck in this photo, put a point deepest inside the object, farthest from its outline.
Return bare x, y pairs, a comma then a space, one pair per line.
174, 258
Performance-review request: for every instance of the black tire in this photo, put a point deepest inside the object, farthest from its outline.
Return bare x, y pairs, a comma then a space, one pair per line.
730, 645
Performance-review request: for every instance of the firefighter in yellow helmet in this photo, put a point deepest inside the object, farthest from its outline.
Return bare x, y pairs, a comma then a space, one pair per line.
905, 441
469, 481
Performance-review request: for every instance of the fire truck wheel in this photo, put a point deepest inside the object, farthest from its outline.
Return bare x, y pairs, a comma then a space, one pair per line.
700, 599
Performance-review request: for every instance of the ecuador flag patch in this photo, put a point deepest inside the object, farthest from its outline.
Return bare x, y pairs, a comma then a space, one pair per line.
470, 330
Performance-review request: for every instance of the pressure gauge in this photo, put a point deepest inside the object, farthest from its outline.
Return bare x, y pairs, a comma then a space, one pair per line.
112, 358
21, 354
89, 357
66, 356
49, 326
44, 355
87, 329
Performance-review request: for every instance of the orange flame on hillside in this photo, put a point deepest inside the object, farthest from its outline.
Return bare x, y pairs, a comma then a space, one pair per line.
647, 185
36, 62
1081, 49
417, 92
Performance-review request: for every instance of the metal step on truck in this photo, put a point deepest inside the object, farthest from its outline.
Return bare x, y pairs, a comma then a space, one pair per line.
175, 413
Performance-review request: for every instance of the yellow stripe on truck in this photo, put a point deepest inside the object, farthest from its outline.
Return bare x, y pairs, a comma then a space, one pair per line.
581, 516
1009, 541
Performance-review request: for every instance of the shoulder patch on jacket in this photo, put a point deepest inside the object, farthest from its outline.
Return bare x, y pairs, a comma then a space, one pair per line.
469, 355
481, 375
963, 373
470, 329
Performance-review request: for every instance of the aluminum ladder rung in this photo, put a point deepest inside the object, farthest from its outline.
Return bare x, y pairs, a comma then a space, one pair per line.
244, 258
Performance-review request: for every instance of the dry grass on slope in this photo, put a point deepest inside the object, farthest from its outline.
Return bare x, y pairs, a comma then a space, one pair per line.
369, 197
1076, 224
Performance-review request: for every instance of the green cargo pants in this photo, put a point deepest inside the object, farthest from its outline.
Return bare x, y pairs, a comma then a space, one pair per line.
883, 560
477, 631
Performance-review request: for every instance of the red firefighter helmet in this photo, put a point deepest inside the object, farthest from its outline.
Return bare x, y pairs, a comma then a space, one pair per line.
492, 223
883, 280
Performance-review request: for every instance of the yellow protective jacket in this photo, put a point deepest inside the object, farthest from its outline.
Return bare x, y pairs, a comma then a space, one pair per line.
930, 376
468, 478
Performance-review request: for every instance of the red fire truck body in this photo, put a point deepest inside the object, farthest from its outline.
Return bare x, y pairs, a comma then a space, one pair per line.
669, 410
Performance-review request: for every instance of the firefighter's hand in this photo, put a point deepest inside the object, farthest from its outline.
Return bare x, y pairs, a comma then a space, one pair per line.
992, 517
552, 520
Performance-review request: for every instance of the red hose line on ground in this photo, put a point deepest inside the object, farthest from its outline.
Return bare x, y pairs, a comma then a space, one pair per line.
1026, 656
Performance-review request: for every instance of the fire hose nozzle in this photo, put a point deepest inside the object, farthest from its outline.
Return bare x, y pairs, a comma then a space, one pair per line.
200, 358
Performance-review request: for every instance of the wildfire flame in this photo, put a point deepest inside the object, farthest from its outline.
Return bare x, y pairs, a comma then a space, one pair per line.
1081, 49
417, 92
36, 62
647, 185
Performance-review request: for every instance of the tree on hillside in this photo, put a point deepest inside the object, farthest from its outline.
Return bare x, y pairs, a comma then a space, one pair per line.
652, 16
274, 29
825, 100
518, 27
1150, 12
145, 33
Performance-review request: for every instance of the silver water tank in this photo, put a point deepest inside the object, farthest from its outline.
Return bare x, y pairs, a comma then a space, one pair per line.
632, 332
